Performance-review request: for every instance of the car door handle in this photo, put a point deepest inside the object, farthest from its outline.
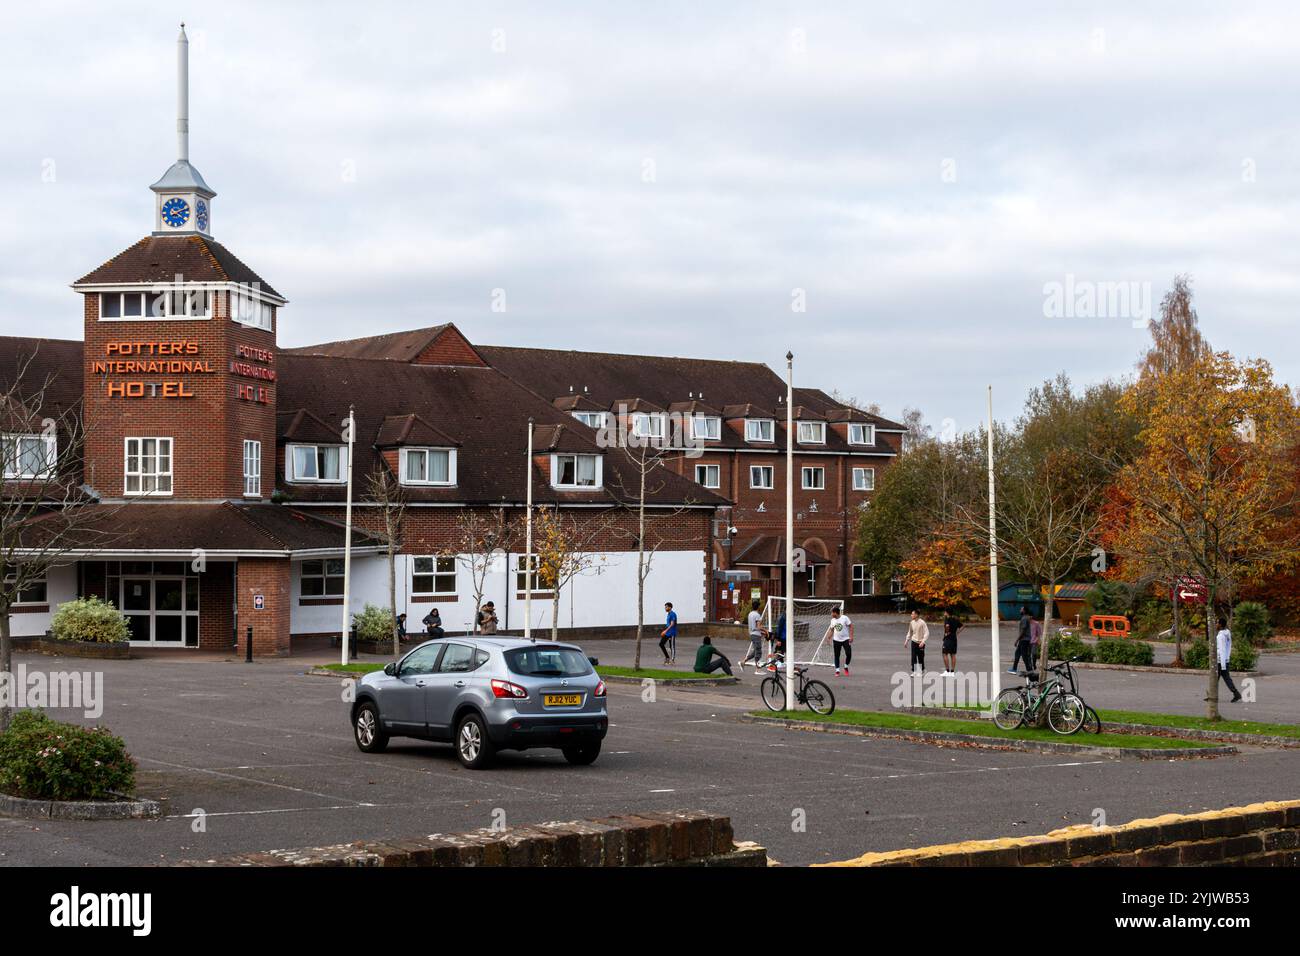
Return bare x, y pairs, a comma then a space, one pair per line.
460, 683
419, 683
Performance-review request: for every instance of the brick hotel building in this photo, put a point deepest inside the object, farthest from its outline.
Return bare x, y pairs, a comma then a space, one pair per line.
219, 459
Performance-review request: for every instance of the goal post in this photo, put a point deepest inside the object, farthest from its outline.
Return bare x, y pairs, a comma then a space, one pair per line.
806, 641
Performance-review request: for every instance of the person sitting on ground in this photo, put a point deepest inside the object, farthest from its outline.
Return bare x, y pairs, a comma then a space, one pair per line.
433, 624
709, 659
401, 628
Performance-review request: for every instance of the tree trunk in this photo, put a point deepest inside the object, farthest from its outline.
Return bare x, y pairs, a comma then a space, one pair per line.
1178, 629
6, 665
640, 573
555, 612
1212, 695
1043, 660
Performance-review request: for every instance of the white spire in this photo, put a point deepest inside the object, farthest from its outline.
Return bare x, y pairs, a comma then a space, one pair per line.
183, 96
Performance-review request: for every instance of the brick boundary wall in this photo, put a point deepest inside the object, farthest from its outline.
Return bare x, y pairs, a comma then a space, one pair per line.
1261, 834
671, 838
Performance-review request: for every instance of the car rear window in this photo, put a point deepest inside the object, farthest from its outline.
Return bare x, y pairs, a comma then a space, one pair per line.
548, 662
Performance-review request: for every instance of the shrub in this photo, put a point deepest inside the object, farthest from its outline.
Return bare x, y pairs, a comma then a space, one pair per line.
1243, 657
43, 759
1250, 623
374, 624
1061, 647
1108, 597
1151, 618
1110, 650
89, 619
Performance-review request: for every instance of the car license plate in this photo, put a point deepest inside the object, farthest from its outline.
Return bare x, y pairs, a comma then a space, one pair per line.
561, 700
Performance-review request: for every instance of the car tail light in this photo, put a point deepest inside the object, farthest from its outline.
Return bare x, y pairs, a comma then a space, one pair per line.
503, 688
600, 690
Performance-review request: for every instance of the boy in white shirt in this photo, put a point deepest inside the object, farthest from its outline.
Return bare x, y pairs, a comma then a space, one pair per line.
840, 631
756, 633
1223, 654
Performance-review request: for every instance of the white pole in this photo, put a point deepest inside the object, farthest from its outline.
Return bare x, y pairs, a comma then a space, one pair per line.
183, 96
350, 426
993, 568
528, 544
789, 530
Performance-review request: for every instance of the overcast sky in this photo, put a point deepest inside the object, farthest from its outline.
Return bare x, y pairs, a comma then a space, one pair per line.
665, 177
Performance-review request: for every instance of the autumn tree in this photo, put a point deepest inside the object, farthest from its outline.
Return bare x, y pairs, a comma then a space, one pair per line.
1176, 339
565, 547
946, 572
1214, 489
481, 539
385, 491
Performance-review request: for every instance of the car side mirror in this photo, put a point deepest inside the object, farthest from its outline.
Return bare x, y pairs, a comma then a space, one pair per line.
391, 669
594, 662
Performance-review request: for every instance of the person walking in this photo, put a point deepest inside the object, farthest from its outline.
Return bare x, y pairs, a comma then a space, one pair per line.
668, 636
709, 659
487, 618
918, 632
840, 631
1024, 637
951, 625
756, 633
1222, 655
1035, 641
777, 636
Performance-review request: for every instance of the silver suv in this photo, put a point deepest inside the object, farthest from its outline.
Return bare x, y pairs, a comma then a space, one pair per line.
485, 694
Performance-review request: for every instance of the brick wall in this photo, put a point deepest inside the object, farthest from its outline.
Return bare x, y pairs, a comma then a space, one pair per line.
1261, 834
268, 577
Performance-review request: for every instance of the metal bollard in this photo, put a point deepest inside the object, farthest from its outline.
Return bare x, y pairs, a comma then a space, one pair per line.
248, 645
352, 641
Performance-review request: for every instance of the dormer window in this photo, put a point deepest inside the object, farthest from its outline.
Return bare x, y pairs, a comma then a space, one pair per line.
706, 427
28, 456
591, 419
428, 466
171, 303
862, 434
759, 429
322, 463
576, 471
645, 425
247, 310
812, 433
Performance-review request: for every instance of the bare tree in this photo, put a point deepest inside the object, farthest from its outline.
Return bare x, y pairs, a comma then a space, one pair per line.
481, 539
565, 548
45, 512
383, 488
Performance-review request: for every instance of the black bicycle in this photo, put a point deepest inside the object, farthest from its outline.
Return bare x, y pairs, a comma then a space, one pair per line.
816, 695
1091, 719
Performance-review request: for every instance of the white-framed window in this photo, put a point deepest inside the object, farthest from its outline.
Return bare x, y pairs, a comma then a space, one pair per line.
433, 575
526, 573
814, 478
172, 303
812, 433
761, 476
428, 466
862, 434
707, 427
247, 310
759, 429
29, 456
324, 463
863, 584
322, 578
710, 476
35, 591
591, 419
647, 425
895, 585
148, 468
864, 479
576, 471
252, 468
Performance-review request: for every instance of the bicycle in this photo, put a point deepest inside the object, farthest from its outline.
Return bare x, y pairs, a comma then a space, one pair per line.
1016, 705
816, 695
1091, 719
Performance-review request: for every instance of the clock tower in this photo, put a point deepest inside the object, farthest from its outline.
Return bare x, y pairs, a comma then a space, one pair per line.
183, 201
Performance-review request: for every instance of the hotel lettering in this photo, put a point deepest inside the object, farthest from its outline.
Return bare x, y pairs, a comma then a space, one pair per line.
178, 359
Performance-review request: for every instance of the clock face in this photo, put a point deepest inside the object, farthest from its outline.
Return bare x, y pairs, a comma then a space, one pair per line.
201, 214
176, 212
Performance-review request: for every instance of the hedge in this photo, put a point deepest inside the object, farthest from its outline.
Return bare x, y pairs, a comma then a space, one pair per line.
1250, 623
1060, 648
89, 619
374, 624
43, 759
1110, 650
1243, 657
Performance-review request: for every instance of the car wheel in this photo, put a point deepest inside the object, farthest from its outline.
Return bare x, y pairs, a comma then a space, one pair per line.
473, 747
583, 755
368, 731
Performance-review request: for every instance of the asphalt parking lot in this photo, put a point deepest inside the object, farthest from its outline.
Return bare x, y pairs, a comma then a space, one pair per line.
265, 751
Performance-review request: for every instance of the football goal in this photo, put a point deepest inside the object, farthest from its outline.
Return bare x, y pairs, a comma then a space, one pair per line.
806, 640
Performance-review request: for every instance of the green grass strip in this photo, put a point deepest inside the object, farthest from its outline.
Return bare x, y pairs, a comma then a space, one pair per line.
654, 673
352, 668
982, 728
1198, 723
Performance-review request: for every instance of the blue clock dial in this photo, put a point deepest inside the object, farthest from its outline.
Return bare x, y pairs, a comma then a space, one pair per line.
176, 212
201, 214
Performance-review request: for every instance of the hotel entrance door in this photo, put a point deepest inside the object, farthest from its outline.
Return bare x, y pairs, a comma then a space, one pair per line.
161, 609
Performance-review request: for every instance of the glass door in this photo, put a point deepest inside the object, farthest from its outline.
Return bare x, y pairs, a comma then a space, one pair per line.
162, 608
137, 605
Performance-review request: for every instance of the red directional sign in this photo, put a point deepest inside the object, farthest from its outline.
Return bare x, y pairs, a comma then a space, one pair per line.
1188, 590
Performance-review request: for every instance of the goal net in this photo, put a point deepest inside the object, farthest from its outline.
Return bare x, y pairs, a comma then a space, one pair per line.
806, 640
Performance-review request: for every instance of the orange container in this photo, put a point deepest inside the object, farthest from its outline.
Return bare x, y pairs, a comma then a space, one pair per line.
1108, 625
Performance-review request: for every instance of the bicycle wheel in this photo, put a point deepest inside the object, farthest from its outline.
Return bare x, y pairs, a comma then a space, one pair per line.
818, 697
1091, 720
1009, 709
773, 691
1065, 714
